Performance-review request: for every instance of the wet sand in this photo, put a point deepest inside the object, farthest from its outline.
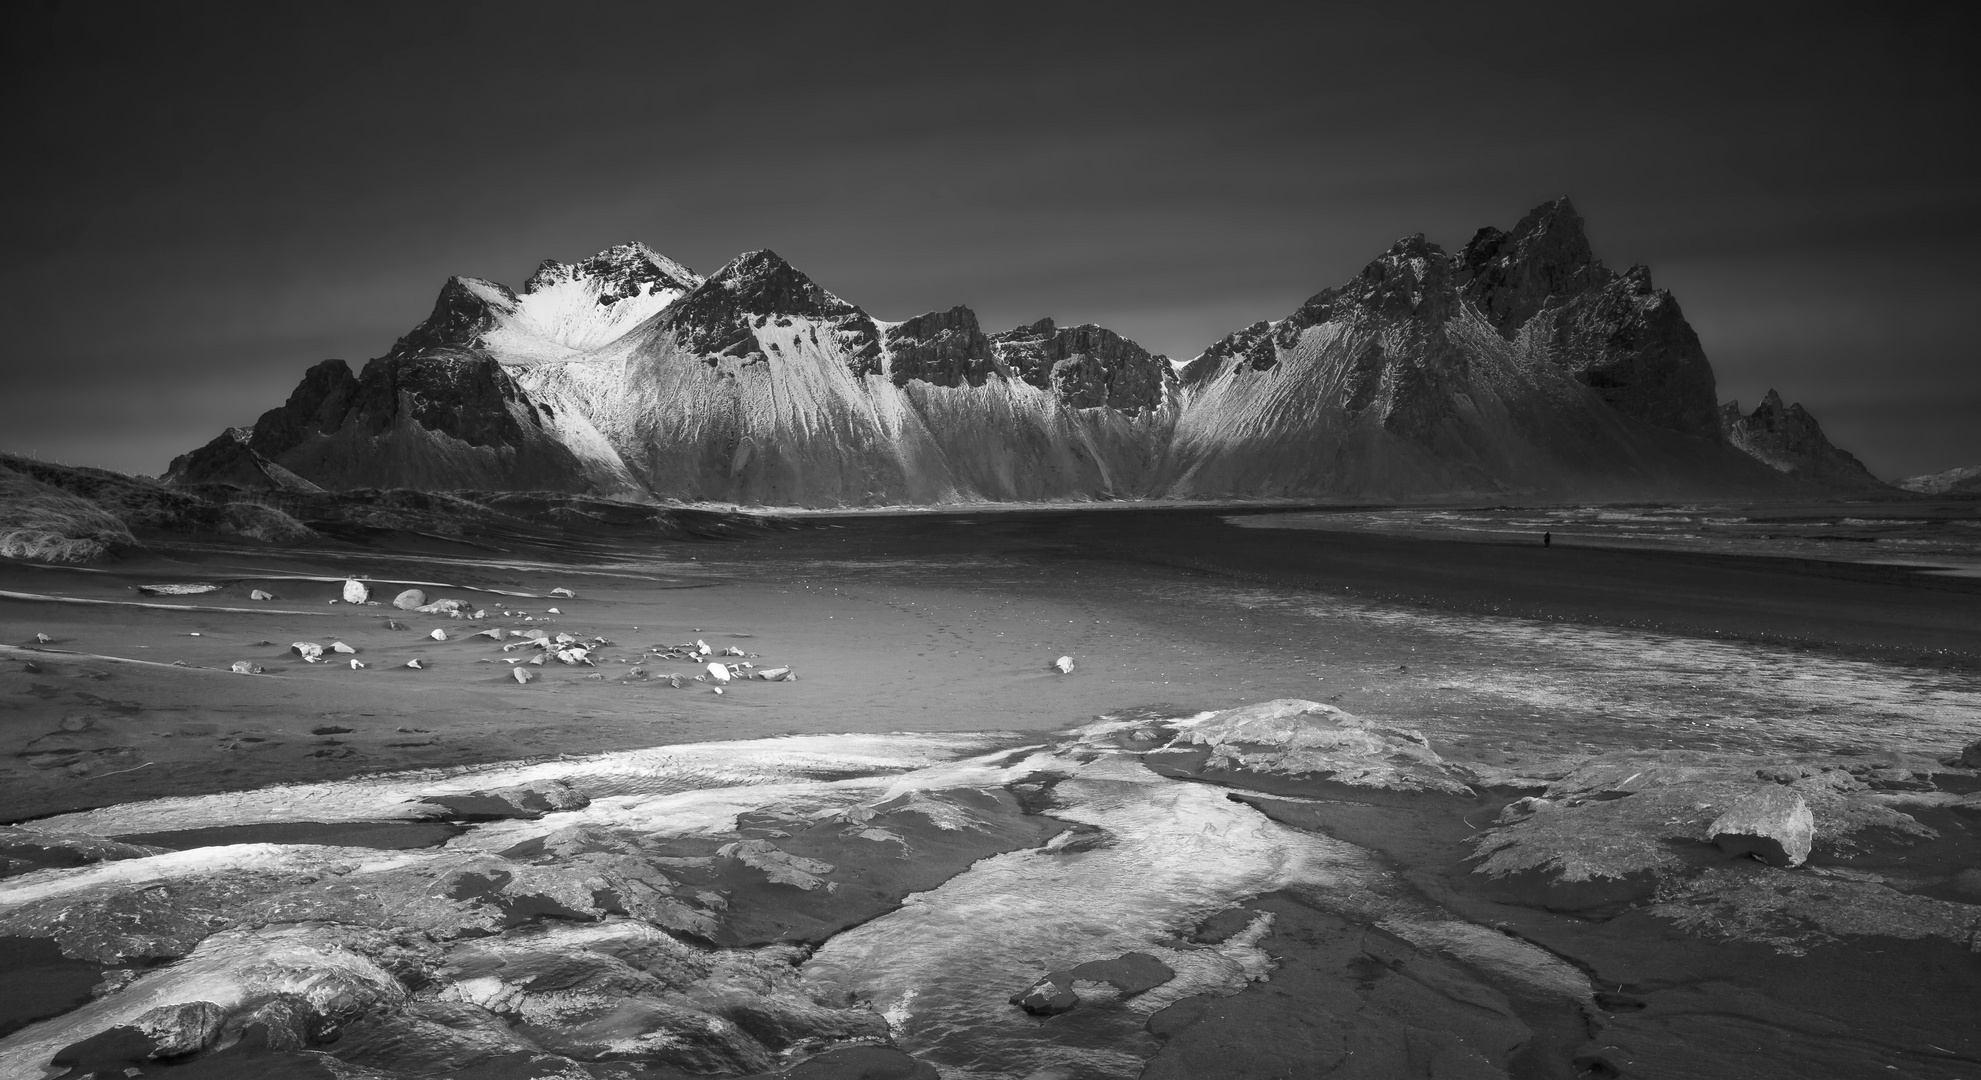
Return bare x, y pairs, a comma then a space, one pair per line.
946, 622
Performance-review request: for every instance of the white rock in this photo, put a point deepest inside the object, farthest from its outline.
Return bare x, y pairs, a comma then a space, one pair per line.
357, 665
242, 667
1063, 665
308, 650
719, 673
481, 613
438, 635
408, 600
701, 647
732, 651
537, 660
355, 591
440, 607
1772, 824
43, 639
773, 674
416, 665
340, 647
554, 611
718, 689
258, 594
496, 634
523, 675
563, 592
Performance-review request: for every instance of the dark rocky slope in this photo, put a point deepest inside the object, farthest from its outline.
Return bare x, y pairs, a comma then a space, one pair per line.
1788, 439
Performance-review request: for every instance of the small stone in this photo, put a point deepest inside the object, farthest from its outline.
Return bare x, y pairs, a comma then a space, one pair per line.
242, 667
357, 665
355, 591
340, 647
408, 600
394, 624
554, 611
450, 608
481, 613
718, 689
416, 665
1063, 665
438, 635
496, 634
563, 592
537, 660
193, 633
310, 651
1772, 824
43, 639
258, 594
719, 673
701, 647
523, 675
773, 674
674, 681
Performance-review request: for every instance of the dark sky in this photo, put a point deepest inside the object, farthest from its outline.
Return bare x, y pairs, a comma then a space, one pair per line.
200, 201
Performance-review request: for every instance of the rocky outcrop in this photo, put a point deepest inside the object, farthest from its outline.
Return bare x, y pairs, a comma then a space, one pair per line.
1086, 366
942, 348
1786, 438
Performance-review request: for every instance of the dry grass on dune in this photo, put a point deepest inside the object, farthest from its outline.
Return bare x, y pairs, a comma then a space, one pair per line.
50, 525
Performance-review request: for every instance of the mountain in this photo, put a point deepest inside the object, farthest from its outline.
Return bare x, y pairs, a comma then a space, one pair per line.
1516, 367
1788, 439
1963, 481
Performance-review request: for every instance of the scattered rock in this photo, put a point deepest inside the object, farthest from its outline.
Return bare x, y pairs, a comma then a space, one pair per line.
1773, 824
408, 600
554, 611
1063, 665
310, 651
191, 588
480, 614
718, 672
674, 681
523, 675
495, 634
438, 635
441, 607
718, 689
242, 667
259, 594
42, 639
701, 647
732, 651
356, 592
773, 674
357, 665
415, 665
340, 647
562, 592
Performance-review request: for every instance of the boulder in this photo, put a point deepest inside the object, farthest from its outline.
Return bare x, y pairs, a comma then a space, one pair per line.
181, 1029
562, 592
718, 672
356, 592
440, 607
340, 647
1772, 824
409, 600
243, 667
1046, 998
438, 635
1063, 665
416, 665
259, 594
357, 665
523, 675
310, 651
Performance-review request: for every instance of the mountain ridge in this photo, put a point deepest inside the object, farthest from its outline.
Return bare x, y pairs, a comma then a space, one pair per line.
1517, 366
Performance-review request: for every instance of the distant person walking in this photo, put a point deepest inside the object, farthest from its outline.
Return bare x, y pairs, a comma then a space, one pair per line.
1547, 539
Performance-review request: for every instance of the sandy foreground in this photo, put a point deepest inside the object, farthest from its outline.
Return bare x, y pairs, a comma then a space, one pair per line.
1503, 655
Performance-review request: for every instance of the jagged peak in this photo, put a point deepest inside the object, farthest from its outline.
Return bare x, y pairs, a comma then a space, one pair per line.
629, 263
958, 318
762, 283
